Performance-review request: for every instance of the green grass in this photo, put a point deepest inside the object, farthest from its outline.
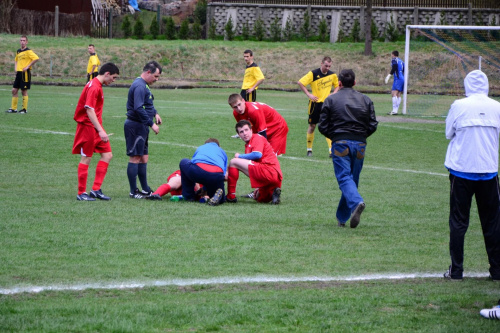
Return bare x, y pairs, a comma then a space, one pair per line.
50, 239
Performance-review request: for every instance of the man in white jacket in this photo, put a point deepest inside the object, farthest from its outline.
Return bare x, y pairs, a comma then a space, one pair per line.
473, 128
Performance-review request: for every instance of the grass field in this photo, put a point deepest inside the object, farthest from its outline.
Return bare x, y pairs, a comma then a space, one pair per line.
140, 266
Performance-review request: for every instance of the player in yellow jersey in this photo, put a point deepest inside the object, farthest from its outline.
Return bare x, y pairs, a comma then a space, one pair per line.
25, 58
321, 81
253, 78
94, 63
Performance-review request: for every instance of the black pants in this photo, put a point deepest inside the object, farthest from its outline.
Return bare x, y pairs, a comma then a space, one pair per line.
488, 205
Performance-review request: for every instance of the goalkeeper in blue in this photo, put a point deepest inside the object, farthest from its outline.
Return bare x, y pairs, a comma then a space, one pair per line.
397, 70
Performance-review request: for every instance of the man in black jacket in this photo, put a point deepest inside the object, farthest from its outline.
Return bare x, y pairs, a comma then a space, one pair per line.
348, 118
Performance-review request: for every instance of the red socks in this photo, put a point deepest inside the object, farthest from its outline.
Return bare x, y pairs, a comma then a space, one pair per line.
163, 189
100, 173
83, 171
232, 179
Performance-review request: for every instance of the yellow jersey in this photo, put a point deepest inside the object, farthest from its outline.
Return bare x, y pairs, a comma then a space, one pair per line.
321, 84
252, 75
93, 61
23, 58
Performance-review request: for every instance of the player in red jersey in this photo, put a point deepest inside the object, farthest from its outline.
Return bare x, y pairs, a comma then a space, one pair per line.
174, 187
90, 136
259, 163
265, 121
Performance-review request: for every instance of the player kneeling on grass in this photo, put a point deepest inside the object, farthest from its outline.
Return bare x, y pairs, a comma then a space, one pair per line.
174, 187
259, 163
90, 136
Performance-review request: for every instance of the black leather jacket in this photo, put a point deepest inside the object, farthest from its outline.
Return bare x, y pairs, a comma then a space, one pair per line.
347, 115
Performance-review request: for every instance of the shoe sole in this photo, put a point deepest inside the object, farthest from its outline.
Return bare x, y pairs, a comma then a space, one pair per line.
276, 196
95, 196
356, 215
215, 200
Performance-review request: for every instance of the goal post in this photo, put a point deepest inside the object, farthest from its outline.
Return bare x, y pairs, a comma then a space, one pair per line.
460, 49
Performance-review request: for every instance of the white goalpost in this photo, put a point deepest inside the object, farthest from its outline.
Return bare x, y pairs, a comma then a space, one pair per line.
461, 49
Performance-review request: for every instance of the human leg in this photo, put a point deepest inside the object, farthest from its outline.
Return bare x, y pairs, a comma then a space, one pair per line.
187, 172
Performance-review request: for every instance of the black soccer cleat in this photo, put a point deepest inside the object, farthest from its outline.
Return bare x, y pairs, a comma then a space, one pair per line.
84, 197
99, 195
23, 111
235, 200
11, 111
146, 193
309, 153
137, 194
216, 199
276, 196
249, 195
154, 197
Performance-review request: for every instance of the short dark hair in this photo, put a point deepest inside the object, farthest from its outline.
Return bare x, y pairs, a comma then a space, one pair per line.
233, 98
91, 45
109, 67
327, 58
213, 140
347, 78
24, 36
152, 66
249, 52
396, 53
242, 123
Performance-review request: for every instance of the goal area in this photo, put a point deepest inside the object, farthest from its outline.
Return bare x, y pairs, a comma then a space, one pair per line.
437, 59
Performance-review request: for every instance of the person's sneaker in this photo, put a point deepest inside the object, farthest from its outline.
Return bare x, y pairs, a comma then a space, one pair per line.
493, 313
84, 197
23, 111
276, 196
11, 111
99, 195
236, 136
248, 196
154, 197
356, 215
137, 194
309, 153
146, 193
231, 200
340, 224
392, 113
447, 276
215, 200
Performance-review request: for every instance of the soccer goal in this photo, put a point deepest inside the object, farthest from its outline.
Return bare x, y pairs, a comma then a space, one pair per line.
437, 59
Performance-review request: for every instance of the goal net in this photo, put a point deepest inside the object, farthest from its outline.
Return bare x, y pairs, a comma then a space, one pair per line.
437, 59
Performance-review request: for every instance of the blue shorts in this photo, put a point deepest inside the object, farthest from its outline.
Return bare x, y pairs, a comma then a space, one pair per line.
136, 138
398, 84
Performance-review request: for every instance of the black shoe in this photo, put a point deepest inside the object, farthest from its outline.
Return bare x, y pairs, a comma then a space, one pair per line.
84, 197
11, 111
154, 197
496, 279
340, 224
137, 194
447, 276
356, 215
99, 195
276, 196
235, 200
146, 193
215, 200
249, 195
309, 153
23, 111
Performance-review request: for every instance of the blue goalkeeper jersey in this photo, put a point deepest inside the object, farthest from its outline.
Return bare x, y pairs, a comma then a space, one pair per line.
398, 69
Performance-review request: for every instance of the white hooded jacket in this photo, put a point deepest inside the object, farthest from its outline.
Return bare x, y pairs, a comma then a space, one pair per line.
473, 126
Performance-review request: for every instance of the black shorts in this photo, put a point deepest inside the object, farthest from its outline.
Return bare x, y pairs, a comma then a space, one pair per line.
136, 138
23, 80
314, 111
91, 76
251, 97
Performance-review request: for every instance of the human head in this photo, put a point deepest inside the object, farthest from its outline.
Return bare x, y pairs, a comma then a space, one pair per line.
244, 130
109, 72
476, 82
395, 54
213, 140
347, 78
248, 56
23, 41
91, 49
237, 103
326, 63
151, 72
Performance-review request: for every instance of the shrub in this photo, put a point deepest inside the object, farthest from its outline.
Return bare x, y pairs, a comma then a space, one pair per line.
275, 30
288, 31
258, 29
139, 29
355, 31
342, 35
229, 29
184, 30
374, 30
306, 26
200, 11
245, 31
196, 30
323, 34
154, 28
391, 32
127, 27
170, 28
212, 30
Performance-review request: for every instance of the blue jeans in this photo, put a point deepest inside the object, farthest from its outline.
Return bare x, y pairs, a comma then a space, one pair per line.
348, 157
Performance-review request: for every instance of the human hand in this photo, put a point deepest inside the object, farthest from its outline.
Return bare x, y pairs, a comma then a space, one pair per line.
155, 128
387, 78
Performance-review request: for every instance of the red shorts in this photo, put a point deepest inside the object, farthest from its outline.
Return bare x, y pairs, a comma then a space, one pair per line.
87, 142
265, 178
278, 141
179, 190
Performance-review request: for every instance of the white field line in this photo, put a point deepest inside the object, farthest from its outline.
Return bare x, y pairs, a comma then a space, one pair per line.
38, 131
225, 280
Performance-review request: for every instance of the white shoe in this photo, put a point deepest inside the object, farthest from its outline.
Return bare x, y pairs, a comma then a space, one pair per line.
392, 113
493, 313
236, 136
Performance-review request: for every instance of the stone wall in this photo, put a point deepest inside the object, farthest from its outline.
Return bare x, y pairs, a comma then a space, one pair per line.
342, 17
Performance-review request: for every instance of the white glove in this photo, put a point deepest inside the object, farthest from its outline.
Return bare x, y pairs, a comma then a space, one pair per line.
387, 78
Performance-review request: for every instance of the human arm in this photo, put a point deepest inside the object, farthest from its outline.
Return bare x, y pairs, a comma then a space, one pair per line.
450, 123
255, 155
93, 119
308, 94
372, 125
30, 64
255, 86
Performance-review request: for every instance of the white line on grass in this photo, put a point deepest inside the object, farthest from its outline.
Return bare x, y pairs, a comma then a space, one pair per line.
225, 280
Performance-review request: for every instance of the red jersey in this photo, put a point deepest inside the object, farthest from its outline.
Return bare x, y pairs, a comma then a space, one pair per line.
263, 117
92, 97
259, 143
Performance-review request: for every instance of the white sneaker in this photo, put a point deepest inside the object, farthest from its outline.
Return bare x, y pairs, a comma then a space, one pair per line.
392, 113
236, 136
493, 313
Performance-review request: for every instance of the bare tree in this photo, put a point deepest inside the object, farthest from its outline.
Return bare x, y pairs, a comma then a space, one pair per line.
6, 7
368, 30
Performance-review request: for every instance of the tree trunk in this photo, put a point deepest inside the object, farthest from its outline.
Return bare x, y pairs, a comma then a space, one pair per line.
368, 28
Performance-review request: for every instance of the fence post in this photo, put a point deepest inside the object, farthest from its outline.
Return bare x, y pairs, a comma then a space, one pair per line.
56, 21
110, 23
469, 14
158, 18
